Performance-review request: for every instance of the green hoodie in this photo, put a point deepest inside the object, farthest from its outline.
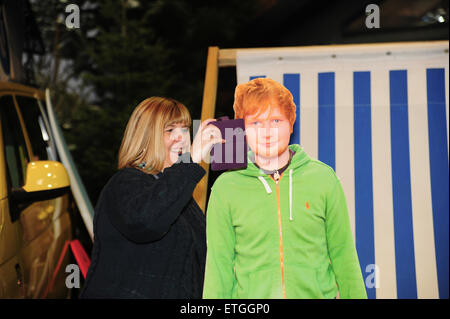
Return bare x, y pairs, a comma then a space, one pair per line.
290, 239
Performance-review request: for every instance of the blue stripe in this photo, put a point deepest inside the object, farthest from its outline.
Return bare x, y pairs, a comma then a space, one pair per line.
256, 77
364, 229
327, 146
292, 83
401, 186
437, 132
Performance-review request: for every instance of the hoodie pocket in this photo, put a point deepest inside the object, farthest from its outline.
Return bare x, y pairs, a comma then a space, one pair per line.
265, 284
301, 282
327, 281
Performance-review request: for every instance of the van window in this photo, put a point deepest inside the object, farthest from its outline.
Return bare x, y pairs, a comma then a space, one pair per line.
36, 128
13, 143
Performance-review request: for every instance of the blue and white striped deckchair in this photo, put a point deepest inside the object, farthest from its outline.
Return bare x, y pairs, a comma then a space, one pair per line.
377, 114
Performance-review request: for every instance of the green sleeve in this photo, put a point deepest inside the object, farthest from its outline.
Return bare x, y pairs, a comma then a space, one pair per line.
219, 272
341, 247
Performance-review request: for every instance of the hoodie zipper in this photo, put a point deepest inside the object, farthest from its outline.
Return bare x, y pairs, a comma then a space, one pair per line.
277, 180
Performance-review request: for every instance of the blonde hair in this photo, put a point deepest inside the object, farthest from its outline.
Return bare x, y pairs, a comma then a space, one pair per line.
143, 140
248, 98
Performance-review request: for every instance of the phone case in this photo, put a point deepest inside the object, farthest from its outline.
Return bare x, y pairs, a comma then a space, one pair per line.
233, 153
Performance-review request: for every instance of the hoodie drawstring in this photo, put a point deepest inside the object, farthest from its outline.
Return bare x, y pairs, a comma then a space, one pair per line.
266, 185
269, 190
290, 195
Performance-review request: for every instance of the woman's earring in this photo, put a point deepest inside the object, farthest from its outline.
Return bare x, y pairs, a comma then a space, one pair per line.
142, 165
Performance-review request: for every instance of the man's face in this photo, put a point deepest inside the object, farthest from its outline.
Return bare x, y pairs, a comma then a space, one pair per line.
268, 133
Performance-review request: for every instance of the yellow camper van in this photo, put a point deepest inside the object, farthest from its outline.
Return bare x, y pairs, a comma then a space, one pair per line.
34, 202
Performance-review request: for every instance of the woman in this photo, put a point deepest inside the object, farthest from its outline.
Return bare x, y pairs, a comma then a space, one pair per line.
149, 233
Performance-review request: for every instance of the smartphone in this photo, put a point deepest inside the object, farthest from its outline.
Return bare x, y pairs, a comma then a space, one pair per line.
233, 153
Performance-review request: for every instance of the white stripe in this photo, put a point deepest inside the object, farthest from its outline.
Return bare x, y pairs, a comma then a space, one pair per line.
345, 164
422, 212
276, 76
382, 185
309, 117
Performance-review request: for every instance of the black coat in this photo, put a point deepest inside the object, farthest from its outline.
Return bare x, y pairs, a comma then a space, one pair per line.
149, 236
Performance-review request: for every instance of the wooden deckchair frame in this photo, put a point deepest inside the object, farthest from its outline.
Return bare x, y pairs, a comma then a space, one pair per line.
216, 58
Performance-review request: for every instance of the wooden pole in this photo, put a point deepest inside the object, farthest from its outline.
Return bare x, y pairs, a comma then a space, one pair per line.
208, 111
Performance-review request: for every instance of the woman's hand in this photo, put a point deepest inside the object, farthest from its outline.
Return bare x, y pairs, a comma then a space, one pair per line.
206, 137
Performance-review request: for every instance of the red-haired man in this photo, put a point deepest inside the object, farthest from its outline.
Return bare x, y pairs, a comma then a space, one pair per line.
280, 227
